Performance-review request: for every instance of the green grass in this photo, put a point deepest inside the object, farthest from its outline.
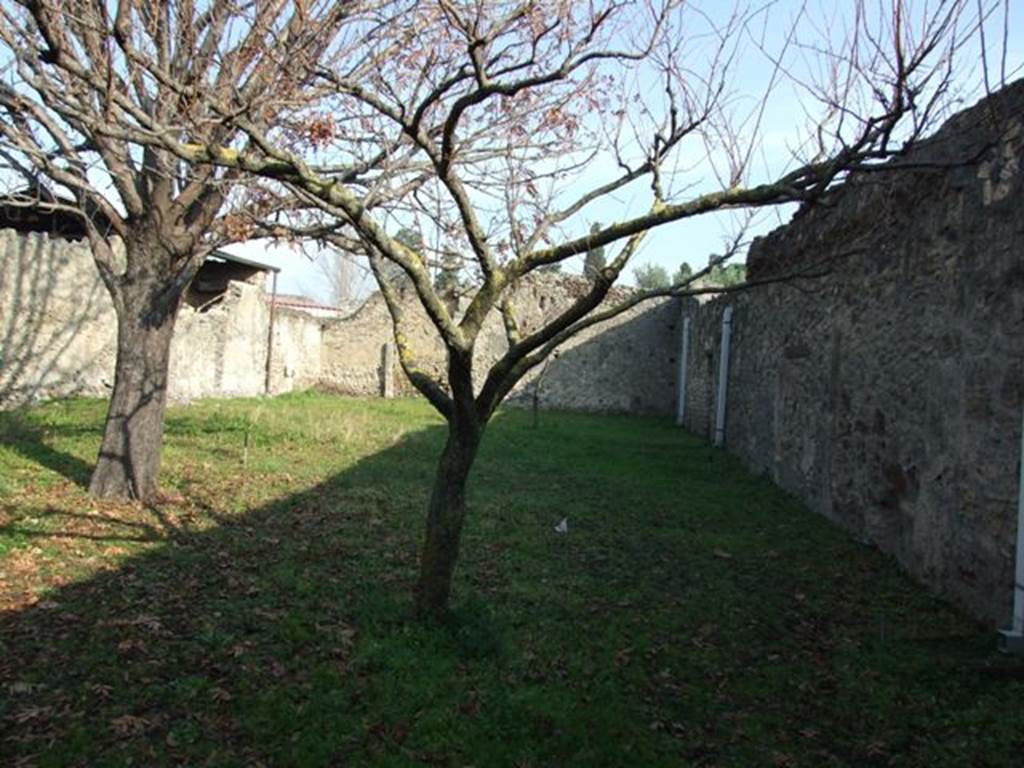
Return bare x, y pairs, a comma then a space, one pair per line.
693, 614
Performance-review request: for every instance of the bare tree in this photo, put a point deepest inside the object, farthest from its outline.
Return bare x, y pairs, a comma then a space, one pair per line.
484, 120
339, 272
75, 73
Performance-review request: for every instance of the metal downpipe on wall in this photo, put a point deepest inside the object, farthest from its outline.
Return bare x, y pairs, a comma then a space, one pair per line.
270, 337
723, 377
684, 361
1012, 640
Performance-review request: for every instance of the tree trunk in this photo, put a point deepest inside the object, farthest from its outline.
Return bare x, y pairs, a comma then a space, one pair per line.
129, 459
444, 521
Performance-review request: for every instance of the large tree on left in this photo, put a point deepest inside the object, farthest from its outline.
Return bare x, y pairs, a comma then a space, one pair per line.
74, 74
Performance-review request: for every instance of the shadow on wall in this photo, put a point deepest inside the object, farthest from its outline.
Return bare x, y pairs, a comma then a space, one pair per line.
45, 304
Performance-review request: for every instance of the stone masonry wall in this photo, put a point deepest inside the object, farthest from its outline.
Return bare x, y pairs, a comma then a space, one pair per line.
57, 338
56, 320
626, 365
58, 332
887, 394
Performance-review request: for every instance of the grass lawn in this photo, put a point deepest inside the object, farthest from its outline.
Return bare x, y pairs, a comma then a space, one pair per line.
692, 615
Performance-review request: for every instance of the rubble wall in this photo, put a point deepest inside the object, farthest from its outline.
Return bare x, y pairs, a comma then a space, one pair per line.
58, 338
58, 332
57, 324
887, 393
624, 365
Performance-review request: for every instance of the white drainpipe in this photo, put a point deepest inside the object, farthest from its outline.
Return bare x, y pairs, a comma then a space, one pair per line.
723, 377
1013, 638
684, 361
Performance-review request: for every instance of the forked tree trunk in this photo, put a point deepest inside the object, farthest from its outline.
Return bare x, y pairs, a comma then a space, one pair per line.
445, 516
128, 465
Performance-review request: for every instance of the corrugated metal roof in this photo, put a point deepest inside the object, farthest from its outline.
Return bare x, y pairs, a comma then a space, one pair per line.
224, 256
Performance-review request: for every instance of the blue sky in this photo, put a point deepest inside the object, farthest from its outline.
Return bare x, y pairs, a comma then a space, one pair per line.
694, 240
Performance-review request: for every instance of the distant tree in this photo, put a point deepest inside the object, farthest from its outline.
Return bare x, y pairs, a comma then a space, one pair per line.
684, 273
727, 275
651, 277
447, 281
413, 240
339, 270
594, 261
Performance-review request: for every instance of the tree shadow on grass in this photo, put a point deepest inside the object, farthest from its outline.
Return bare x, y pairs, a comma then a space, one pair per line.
236, 641
54, 524
283, 637
30, 440
651, 634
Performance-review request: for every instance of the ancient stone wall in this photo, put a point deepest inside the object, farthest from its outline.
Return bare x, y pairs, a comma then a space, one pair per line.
221, 350
58, 332
626, 364
57, 324
887, 393
297, 358
57, 338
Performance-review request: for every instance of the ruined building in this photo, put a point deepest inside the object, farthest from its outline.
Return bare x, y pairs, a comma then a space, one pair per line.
881, 381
